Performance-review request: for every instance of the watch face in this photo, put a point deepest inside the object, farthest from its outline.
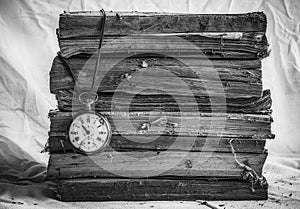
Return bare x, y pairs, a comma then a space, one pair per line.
89, 132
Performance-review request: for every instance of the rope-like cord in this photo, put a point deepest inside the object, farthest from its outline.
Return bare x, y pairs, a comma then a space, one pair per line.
99, 47
97, 61
248, 173
242, 165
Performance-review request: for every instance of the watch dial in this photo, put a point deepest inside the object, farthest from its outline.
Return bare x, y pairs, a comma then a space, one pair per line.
89, 132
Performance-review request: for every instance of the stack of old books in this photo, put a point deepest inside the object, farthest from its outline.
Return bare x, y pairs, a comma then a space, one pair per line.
191, 87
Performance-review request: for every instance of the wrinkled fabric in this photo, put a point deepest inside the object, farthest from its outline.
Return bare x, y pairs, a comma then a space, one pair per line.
28, 44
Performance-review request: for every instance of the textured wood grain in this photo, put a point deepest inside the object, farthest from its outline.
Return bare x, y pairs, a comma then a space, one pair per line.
153, 189
59, 143
76, 24
162, 76
134, 164
178, 123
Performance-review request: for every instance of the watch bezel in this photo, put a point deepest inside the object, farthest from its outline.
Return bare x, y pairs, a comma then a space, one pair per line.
108, 136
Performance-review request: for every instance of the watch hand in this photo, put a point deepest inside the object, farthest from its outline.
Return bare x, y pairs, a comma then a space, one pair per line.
85, 129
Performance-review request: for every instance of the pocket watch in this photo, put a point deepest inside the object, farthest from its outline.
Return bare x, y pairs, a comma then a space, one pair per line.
89, 132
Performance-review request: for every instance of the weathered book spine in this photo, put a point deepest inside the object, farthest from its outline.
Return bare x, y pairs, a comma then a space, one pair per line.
78, 24
178, 123
68, 101
78, 33
157, 189
228, 79
59, 143
211, 46
135, 164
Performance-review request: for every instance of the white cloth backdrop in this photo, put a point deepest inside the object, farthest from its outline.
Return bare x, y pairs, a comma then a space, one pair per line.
28, 44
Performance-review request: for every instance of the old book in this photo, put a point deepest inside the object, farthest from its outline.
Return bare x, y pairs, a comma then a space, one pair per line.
213, 46
67, 100
137, 164
178, 123
59, 143
162, 76
157, 189
78, 33
86, 23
